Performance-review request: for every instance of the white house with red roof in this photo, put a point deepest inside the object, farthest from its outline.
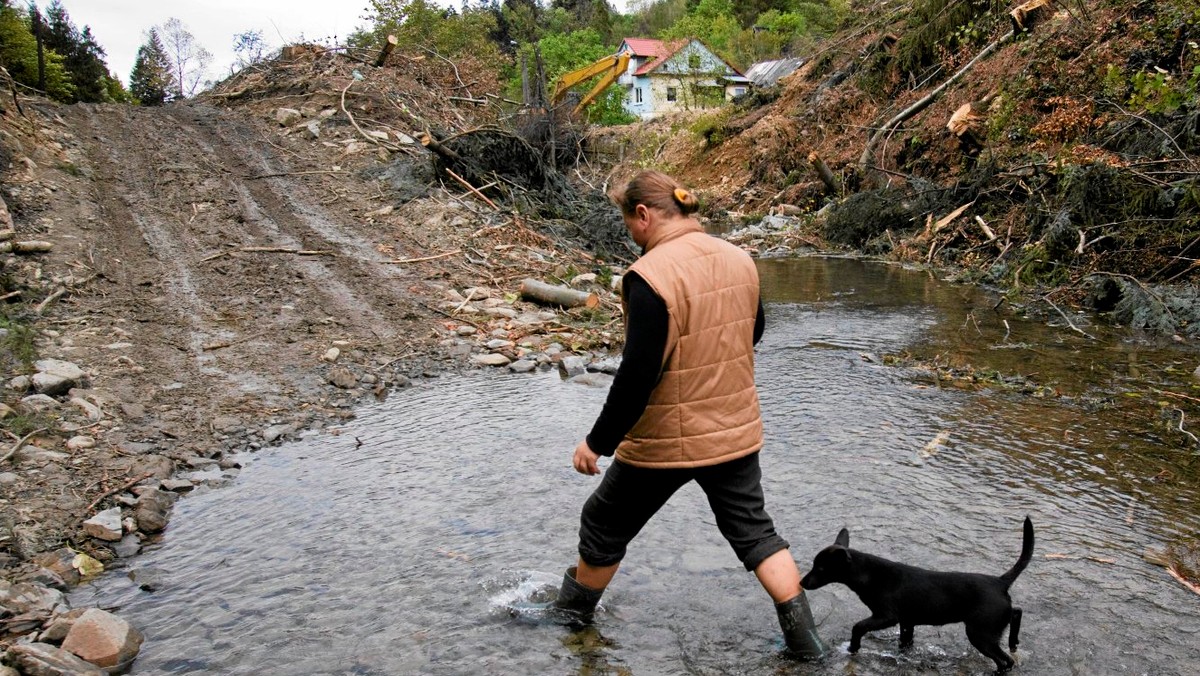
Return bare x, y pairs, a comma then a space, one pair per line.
679, 75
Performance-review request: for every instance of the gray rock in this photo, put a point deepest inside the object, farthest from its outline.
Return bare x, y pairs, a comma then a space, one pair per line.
8, 478
572, 366
286, 117
490, 360
332, 355
226, 423
78, 443
133, 410
103, 639
89, 409
584, 279
1196, 373
158, 466
522, 366
59, 367
497, 343
177, 485
313, 129
105, 525
609, 366
275, 432
26, 597
130, 545
153, 510
341, 376
39, 402
55, 377
149, 579
20, 384
592, 379
43, 659
505, 312
136, 447
59, 563
6, 411
466, 330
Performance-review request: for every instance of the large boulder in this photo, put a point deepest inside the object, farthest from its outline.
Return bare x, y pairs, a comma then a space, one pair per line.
103, 639
55, 376
153, 510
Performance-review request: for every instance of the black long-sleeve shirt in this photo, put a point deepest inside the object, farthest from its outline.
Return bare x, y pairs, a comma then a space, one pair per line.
646, 327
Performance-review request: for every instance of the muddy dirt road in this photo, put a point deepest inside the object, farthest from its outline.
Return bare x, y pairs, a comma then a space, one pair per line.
228, 285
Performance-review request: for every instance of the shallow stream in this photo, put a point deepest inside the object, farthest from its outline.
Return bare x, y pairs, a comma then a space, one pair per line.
397, 545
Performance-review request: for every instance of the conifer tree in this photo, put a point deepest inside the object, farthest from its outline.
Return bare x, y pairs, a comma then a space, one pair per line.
151, 82
82, 56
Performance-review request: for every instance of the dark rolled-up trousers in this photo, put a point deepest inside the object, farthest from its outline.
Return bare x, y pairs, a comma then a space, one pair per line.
628, 496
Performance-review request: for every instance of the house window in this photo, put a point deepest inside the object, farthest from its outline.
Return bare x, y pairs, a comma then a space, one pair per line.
693, 61
637, 95
672, 93
738, 91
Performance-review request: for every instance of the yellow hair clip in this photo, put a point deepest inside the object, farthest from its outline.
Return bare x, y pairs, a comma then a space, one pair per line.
681, 195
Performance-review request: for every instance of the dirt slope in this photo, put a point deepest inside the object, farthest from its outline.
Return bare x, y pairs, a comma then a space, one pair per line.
178, 192
207, 264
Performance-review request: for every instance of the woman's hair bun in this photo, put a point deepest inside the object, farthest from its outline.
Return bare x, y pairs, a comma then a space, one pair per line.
688, 204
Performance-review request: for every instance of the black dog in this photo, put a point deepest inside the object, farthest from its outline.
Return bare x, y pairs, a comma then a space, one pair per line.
906, 595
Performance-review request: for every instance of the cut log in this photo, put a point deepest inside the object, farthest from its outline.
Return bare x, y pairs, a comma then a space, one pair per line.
827, 177
426, 139
1028, 13
387, 49
550, 294
32, 246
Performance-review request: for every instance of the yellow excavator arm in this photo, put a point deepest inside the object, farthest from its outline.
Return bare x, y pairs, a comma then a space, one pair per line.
610, 68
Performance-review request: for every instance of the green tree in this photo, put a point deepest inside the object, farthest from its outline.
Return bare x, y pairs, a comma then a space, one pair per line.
19, 54
562, 54
82, 55
421, 23
713, 23
152, 82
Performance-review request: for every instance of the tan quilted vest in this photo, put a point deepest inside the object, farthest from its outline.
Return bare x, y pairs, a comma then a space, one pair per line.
704, 410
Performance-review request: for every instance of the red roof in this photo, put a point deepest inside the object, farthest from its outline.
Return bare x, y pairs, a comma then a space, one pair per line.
658, 50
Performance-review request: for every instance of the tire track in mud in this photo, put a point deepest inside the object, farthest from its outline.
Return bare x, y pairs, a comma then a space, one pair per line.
288, 215
174, 192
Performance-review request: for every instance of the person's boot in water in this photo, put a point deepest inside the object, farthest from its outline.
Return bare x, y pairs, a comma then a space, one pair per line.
576, 603
799, 630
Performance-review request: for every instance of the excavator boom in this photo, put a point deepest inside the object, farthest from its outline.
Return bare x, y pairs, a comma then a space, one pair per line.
610, 67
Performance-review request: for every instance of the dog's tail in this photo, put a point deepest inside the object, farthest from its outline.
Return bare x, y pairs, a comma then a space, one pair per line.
1026, 555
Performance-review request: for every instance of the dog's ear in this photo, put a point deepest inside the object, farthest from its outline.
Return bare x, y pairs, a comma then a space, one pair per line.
843, 538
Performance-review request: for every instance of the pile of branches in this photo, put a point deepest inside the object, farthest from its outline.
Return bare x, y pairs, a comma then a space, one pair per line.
496, 163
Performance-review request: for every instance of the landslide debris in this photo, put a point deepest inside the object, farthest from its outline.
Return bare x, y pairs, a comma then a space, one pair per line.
1066, 153
225, 273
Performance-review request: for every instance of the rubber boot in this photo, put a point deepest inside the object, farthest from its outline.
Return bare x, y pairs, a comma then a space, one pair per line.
799, 630
575, 603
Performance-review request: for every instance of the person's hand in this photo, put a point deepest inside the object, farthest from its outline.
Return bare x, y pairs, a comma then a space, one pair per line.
585, 459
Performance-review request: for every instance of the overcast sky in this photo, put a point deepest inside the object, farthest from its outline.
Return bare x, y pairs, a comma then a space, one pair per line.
120, 25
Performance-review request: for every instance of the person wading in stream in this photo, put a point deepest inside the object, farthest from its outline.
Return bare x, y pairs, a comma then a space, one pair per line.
683, 407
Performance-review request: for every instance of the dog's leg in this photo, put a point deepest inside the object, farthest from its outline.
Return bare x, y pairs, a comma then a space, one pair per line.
1014, 629
988, 643
906, 636
872, 623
